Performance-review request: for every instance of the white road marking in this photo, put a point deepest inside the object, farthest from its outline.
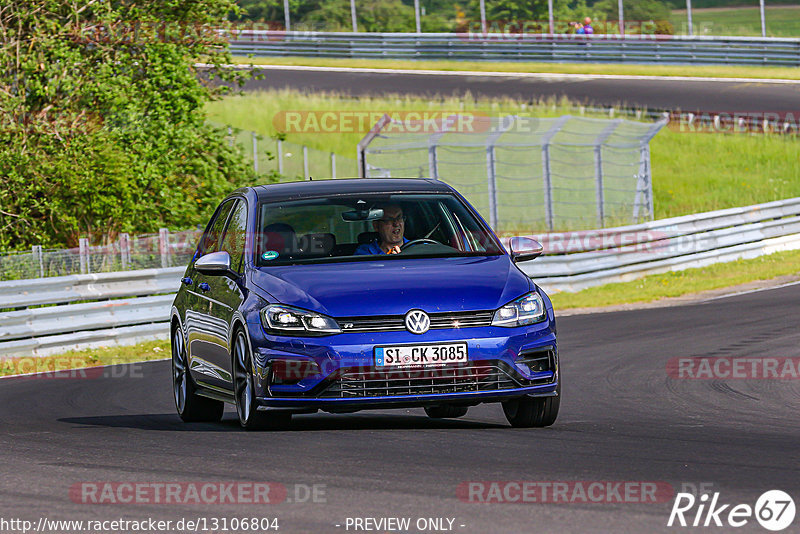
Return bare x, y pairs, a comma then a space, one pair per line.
757, 290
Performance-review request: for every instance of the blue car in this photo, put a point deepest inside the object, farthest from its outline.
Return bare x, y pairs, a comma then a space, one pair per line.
345, 295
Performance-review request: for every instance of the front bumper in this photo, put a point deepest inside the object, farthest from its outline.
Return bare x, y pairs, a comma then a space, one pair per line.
349, 380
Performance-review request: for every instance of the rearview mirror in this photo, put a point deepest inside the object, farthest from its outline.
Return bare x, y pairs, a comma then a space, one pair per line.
362, 215
524, 249
215, 263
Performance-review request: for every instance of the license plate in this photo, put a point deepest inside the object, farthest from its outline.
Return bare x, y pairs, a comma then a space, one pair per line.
421, 355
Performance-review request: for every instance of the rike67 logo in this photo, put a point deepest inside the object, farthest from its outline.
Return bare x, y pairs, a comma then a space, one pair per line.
774, 510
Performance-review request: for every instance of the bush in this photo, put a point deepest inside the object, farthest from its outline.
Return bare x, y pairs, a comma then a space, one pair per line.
103, 126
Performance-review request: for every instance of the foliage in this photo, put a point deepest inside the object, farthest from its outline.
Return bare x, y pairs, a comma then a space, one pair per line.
440, 15
634, 10
103, 125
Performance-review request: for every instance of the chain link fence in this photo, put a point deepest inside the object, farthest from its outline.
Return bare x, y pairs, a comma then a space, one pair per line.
288, 161
165, 249
525, 174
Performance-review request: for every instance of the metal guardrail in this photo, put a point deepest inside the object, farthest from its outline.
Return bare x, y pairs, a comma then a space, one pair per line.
139, 310
608, 238
573, 261
663, 49
63, 289
585, 259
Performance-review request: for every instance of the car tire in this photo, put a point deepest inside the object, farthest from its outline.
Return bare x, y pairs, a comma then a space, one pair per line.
446, 411
528, 412
191, 407
244, 391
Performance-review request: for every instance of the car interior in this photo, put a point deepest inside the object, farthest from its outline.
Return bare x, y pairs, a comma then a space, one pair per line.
320, 230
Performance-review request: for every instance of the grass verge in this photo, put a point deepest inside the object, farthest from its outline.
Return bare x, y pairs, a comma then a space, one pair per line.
781, 21
706, 71
76, 359
680, 283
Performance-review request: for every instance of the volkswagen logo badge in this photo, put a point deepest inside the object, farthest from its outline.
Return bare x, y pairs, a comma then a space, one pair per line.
417, 322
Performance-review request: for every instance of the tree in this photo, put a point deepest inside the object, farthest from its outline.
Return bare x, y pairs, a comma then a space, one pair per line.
102, 127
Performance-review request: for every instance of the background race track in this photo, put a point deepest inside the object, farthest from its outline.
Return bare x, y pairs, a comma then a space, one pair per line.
707, 95
622, 419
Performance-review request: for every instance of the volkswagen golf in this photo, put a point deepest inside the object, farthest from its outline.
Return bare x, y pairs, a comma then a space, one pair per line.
345, 295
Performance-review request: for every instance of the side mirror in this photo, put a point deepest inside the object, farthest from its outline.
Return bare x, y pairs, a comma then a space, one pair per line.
524, 249
216, 263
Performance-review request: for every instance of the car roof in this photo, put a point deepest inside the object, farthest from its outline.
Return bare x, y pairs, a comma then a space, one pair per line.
324, 188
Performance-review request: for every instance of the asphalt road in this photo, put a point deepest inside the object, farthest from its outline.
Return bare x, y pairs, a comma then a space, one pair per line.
622, 419
659, 93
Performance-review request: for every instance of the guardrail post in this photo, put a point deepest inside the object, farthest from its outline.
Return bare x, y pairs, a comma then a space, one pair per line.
163, 247
546, 174
39, 261
255, 152
433, 141
305, 163
491, 167
125, 250
644, 183
491, 170
548, 187
83, 250
280, 157
333, 165
433, 164
598, 170
598, 184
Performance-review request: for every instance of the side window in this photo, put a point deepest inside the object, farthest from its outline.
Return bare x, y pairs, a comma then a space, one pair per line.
211, 239
233, 242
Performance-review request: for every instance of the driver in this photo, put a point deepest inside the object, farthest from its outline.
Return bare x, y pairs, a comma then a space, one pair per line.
390, 229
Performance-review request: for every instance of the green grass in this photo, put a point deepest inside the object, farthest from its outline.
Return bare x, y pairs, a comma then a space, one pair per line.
692, 172
711, 71
676, 284
696, 172
783, 21
76, 359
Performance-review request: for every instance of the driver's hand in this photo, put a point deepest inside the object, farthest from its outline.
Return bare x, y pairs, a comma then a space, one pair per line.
394, 250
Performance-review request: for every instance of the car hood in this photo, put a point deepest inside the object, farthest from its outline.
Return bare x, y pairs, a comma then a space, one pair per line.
393, 287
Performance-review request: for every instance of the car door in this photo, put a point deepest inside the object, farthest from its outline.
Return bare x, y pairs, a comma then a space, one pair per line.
202, 331
220, 297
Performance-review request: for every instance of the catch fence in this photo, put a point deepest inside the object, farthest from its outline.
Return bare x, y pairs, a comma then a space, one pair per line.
526, 174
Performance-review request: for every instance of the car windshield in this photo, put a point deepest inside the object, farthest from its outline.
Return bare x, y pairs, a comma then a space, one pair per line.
363, 227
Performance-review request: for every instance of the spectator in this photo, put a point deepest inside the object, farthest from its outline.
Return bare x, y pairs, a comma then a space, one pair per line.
587, 26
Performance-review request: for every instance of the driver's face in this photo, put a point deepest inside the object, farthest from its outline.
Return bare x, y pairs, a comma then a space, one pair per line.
390, 227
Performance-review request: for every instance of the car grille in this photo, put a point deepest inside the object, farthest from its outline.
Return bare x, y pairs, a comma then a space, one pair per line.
389, 323
477, 376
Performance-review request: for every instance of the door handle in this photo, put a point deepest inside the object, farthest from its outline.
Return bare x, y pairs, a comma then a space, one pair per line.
203, 287
187, 281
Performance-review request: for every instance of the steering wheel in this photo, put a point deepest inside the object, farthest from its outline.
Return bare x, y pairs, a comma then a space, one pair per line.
424, 240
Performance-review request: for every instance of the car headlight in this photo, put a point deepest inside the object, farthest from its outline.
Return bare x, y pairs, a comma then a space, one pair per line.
525, 310
282, 320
